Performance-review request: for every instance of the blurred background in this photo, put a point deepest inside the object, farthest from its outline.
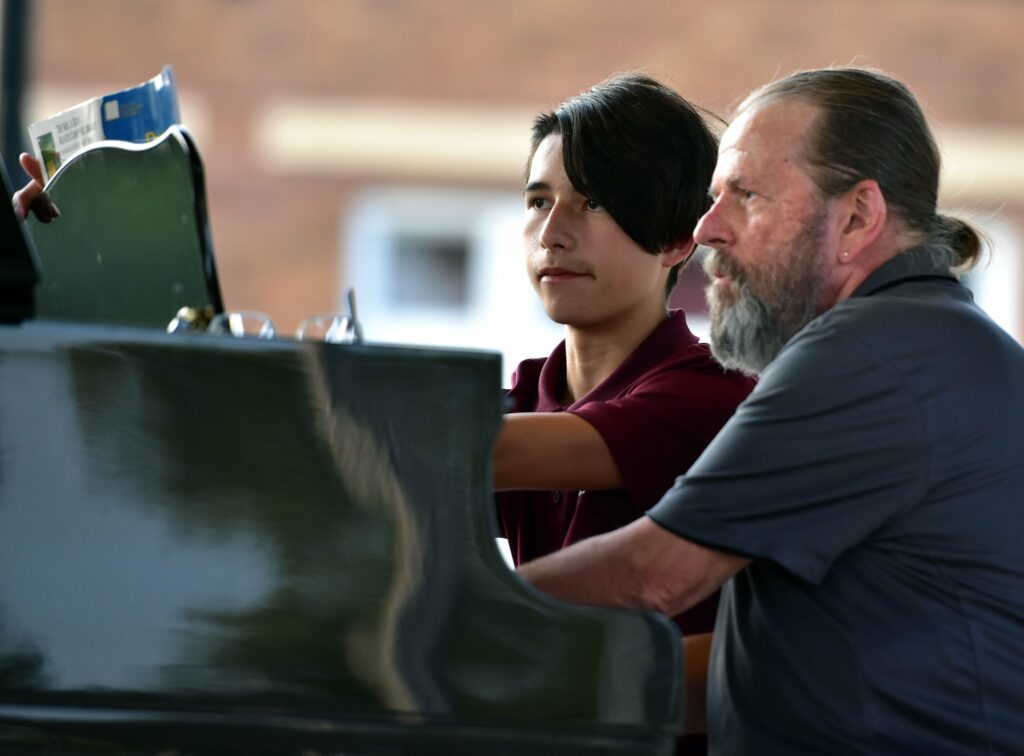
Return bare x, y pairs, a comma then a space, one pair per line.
380, 144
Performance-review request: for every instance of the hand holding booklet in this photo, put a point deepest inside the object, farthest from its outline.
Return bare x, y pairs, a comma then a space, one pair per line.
138, 114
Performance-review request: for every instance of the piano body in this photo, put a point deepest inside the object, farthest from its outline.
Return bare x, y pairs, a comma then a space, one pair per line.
218, 545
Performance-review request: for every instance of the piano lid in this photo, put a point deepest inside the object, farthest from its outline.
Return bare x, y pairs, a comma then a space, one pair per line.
206, 538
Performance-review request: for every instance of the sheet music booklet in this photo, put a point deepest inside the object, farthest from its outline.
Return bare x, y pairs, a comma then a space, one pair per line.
138, 114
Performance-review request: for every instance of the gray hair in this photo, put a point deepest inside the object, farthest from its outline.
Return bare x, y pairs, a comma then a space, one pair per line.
871, 127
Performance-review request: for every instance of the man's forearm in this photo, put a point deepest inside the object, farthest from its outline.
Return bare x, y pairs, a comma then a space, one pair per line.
590, 572
639, 566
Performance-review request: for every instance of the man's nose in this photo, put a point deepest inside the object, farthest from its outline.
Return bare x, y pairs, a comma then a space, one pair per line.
712, 229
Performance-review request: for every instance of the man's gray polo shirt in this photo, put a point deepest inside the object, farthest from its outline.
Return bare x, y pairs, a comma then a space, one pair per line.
876, 477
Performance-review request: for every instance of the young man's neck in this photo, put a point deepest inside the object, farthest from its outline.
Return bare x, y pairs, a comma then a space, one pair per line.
593, 353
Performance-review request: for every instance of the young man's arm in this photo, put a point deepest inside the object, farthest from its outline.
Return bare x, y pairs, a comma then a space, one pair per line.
552, 451
639, 566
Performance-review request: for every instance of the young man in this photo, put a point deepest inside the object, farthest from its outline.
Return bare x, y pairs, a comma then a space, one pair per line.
867, 499
617, 179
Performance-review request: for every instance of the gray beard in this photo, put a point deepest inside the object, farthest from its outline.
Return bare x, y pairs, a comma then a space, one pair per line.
744, 335
749, 333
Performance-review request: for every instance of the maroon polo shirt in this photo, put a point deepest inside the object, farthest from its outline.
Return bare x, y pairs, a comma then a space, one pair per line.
656, 413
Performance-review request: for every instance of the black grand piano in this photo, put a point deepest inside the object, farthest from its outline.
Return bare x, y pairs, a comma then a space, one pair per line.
217, 545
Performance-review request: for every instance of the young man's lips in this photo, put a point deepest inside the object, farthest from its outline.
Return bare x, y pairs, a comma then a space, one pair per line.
558, 274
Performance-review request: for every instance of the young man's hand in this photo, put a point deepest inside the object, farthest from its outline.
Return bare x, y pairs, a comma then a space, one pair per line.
31, 196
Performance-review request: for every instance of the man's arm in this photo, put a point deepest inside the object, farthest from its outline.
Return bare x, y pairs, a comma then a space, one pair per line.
639, 566
552, 451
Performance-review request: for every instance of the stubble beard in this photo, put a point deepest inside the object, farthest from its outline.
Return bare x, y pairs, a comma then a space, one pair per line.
767, 306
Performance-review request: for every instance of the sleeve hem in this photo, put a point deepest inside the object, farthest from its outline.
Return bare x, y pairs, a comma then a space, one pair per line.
808, 574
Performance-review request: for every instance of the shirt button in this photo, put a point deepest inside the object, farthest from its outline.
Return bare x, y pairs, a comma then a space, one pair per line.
556, 497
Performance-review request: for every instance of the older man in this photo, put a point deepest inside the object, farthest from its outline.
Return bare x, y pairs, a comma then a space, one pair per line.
867, 501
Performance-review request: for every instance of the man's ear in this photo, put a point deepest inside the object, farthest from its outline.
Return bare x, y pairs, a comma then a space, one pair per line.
677, 253
862, 214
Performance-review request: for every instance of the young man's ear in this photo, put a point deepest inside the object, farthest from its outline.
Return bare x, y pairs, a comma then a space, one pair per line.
862, 216
672, 256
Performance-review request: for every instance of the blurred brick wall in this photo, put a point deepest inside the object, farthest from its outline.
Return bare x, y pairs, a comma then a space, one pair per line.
277, 236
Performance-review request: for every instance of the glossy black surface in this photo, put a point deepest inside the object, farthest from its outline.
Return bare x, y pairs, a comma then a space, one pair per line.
214, 544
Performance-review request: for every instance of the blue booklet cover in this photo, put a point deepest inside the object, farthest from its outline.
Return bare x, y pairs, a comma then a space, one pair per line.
142, 113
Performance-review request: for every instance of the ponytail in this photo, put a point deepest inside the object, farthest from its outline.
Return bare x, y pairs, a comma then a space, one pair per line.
962, 239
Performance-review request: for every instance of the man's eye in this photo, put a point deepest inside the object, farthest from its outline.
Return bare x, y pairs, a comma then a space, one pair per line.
748, 195
536, 203
593, 205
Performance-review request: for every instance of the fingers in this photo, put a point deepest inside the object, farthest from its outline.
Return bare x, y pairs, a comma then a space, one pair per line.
31, 197
32, 167
22, 200
43, 208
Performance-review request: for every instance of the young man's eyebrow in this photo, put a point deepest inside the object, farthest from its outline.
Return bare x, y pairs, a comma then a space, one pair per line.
537, 186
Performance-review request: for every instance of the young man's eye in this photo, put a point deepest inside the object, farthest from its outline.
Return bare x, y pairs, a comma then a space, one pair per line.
593, 205
536, 203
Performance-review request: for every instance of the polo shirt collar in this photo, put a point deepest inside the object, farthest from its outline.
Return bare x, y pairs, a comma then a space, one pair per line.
672, 336
918, 262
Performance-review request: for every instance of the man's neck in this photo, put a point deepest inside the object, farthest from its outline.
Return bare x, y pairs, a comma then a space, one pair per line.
892, 242
594, 353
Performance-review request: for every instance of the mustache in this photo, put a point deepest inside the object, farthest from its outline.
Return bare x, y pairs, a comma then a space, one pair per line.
718, 263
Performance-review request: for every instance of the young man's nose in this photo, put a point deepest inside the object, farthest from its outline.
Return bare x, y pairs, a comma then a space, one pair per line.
558, 228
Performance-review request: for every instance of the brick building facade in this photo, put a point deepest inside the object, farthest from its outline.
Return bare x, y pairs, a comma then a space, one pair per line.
301, 107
